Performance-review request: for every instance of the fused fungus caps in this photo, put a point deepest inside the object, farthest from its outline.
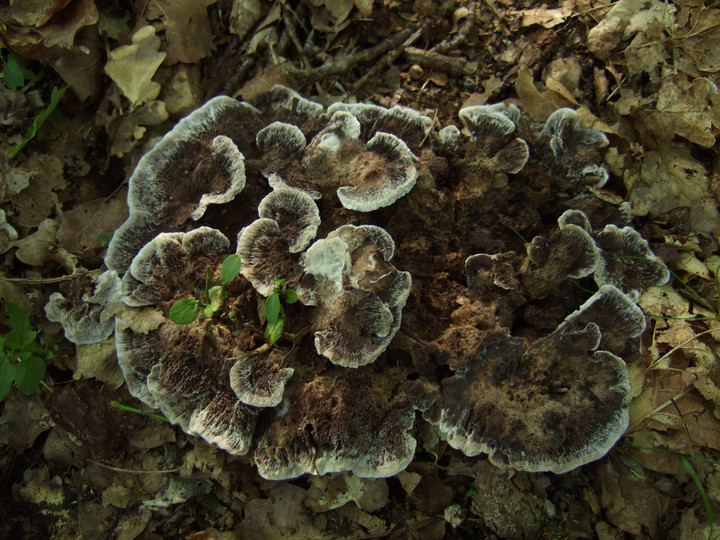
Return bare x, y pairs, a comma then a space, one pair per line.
323, 201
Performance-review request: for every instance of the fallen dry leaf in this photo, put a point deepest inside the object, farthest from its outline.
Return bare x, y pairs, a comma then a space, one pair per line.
132, 66
98, 361
631, 500
187, 29
127, 131
46, 29
547, 18
671, 177
539, 105
244, 16
31, 186
81, 228
684, 108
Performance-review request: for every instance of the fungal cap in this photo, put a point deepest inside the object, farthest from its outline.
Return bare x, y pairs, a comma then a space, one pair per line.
359, 294
628, 262
565, 133
258, 381
281, 136
296, 214
387, 174
86, 319
264, 254
165, 190
540, 416
166, 261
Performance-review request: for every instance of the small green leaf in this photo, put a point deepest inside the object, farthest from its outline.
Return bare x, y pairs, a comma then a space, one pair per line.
291, 296
20, 335
29, 374
13, 73
230, 268
208, 277
276, 331
208, 310
7, 376
215, 298
272, 308
278, 285
183, 311
39, 120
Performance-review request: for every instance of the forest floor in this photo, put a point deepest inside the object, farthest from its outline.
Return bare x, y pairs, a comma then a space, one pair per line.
82, 101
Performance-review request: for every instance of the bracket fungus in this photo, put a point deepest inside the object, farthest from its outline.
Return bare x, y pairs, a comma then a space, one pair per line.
269, 246
86, 314
171, 186
575, 150
360, 295
496, 150
182, 369
370, 346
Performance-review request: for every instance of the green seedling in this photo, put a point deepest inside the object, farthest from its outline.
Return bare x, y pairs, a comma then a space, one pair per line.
126, 408
186, 310
22, 360
39, 120
275, 312
16, 76
685, 460
13, 72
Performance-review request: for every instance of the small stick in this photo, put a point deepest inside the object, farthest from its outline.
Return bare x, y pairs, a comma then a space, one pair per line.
451, 65
386, 61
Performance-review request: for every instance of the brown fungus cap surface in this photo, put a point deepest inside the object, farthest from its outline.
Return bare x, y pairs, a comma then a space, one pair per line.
86, 309
359, 295
195, 165
404, 243
341, 421
554, 406
182, 369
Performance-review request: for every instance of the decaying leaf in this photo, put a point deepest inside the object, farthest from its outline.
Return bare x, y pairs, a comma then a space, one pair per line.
187, 28
98, 360
631, 500
685, 107
40, 248
547, 18
132, 66
46, 29
671, 177
539, 104
244, 16
127, 131
82, 227
32, 185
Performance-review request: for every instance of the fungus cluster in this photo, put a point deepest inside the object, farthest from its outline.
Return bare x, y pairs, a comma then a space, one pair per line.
401, 242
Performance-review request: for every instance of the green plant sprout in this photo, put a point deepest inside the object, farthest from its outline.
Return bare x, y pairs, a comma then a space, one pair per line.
14, 74
126, 408
23, 360
685, 461
185, 311
275, 312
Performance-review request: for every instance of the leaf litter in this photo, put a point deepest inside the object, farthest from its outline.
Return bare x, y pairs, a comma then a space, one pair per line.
645, 73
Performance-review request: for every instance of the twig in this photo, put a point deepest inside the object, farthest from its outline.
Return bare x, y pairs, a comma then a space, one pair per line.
459, 39
452, 65
344, 62
131, 471
386, 61
44, 281
680, 346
